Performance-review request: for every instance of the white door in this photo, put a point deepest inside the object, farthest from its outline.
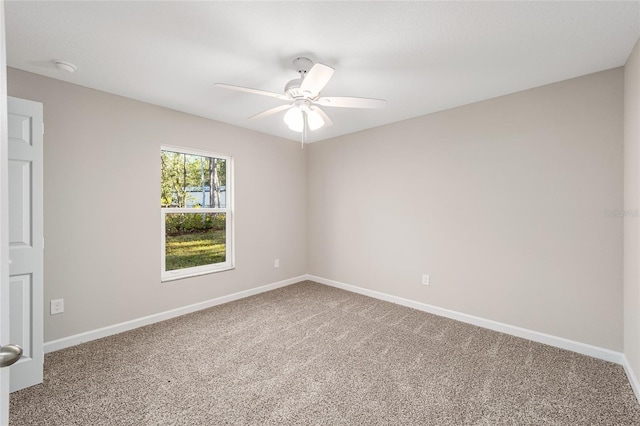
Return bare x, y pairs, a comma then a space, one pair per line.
25, 137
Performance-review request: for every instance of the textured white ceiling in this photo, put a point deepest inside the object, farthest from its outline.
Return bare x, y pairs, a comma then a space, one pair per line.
420, 56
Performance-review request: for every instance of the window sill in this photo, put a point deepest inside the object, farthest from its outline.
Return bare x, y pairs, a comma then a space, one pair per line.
176, 277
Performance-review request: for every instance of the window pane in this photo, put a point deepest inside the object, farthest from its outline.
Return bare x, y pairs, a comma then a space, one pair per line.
194, 239
193, 181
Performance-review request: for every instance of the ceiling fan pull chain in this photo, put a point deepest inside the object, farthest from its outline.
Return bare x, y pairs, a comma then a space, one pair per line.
305, 127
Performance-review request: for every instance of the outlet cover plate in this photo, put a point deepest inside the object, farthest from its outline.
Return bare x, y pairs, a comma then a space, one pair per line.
57, 306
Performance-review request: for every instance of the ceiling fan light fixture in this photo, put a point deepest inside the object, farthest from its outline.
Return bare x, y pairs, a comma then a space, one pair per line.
314, 119
295, 120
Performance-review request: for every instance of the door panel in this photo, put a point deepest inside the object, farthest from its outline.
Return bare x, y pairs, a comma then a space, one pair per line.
20, 290
20, 203
26, 239
19, 128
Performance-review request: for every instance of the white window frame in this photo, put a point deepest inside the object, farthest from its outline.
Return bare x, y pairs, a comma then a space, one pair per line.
229, 263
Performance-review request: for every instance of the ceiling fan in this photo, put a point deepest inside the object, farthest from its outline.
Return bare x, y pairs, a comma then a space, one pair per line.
304, 110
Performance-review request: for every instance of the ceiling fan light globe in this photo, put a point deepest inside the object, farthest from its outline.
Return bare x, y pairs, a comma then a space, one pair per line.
315, 120
293, 118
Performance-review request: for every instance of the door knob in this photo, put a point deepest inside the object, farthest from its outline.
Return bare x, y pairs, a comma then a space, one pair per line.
9, 354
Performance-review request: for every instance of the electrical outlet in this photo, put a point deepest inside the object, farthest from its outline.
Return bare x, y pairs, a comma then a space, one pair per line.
276, 263
57, 306
425, 279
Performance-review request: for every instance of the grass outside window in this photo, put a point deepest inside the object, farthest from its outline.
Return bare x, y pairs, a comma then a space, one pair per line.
194, 239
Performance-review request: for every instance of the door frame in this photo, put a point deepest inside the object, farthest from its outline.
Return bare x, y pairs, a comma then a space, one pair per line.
4, 221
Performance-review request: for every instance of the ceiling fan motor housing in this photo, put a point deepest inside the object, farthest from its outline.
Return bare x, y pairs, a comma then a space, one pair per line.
292, 89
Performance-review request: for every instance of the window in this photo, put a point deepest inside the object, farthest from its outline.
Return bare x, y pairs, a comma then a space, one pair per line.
196, 214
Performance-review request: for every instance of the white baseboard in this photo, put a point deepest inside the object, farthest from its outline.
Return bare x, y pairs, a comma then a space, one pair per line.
631, 375
76, 339
547, 339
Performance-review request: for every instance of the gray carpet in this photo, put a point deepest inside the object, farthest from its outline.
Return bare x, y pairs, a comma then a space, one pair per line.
314, 355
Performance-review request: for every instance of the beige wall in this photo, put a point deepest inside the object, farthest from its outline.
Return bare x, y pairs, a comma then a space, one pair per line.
632, 205
502, 202
102, 211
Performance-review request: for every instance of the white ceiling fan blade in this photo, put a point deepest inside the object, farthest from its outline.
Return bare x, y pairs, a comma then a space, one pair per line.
317, 77
349, 102
254, 91
270, 111
321, 113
